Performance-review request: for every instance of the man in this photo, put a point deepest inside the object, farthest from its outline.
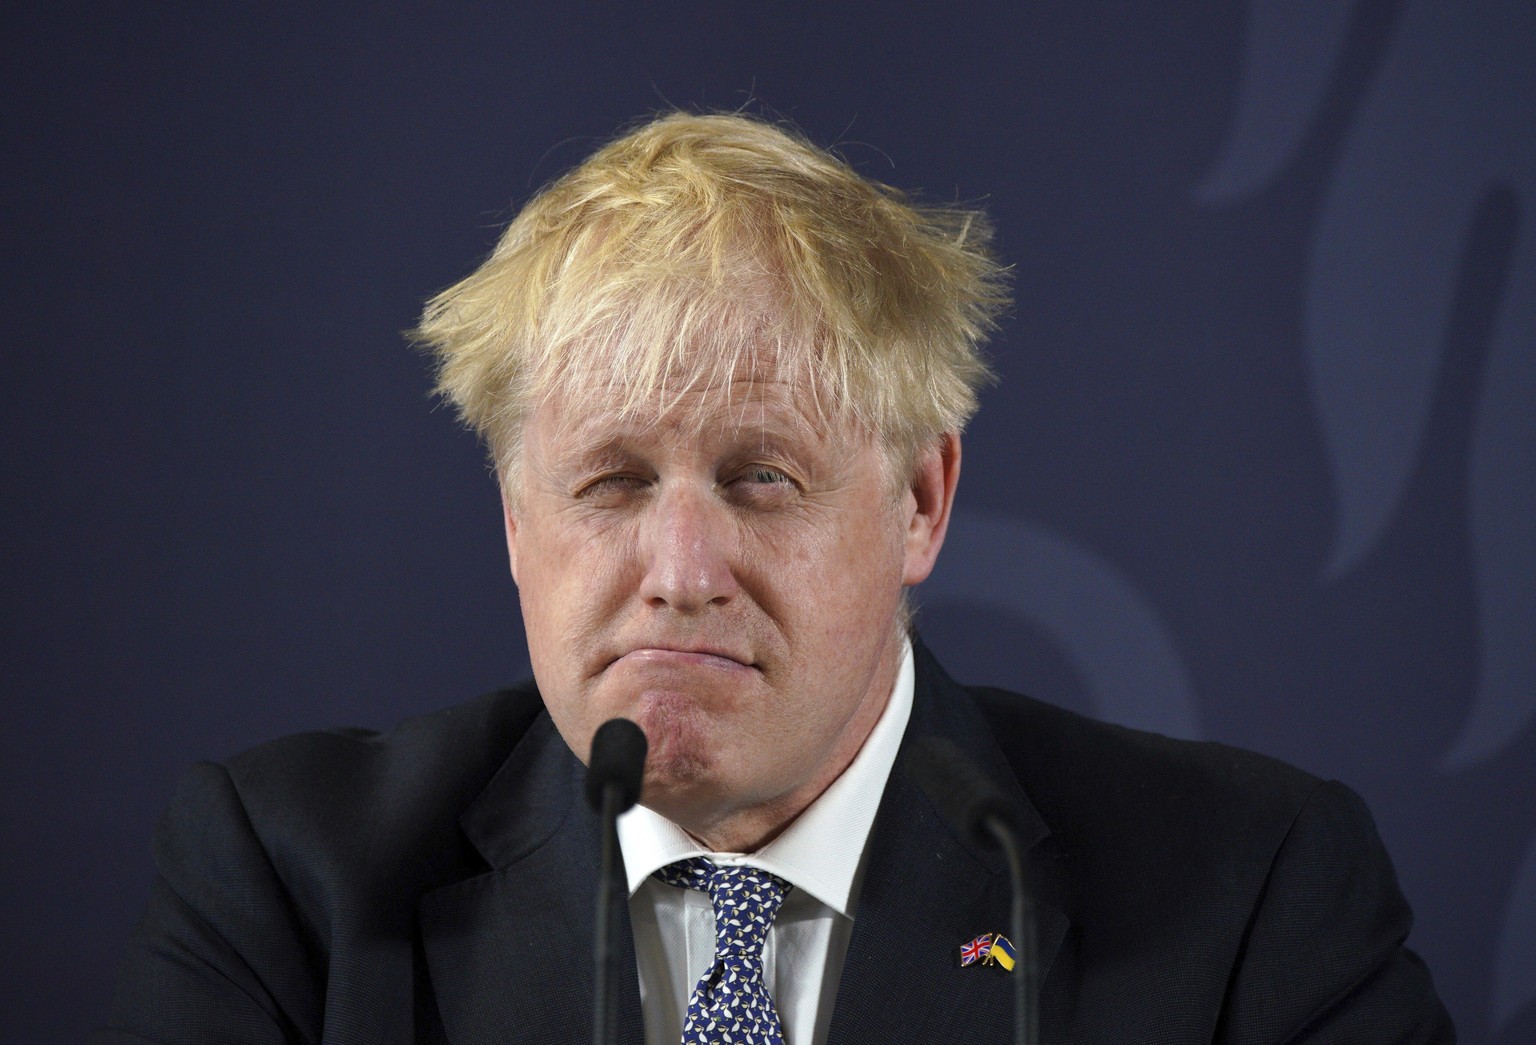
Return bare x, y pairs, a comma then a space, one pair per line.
723, 379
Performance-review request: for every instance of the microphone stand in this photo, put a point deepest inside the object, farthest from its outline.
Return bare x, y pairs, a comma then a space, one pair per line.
1026, 1023
611, 889
615, 771
971, 802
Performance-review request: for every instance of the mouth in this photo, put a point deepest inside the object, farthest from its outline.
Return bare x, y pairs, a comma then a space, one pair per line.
689, 656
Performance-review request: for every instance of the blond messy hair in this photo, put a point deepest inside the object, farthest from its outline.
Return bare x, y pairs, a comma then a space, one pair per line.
699, 247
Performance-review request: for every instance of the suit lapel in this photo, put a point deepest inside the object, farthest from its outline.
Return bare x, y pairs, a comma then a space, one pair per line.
927, 890
510, 952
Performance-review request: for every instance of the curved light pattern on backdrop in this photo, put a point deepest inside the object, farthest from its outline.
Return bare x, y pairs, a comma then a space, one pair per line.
1295, 43
1445, 121
1444, 128
1514, 987
1502, 487
1114, 639
1442, 133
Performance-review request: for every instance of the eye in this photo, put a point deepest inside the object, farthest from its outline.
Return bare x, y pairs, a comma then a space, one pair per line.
610, 487
764, 475
762, 486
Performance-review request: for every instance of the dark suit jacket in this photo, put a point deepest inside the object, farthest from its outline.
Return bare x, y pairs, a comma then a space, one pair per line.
438, 883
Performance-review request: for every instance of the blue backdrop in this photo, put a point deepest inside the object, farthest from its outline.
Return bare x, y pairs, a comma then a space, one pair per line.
1261, 467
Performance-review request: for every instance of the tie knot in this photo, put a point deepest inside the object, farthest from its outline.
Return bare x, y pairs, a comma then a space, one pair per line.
745, 899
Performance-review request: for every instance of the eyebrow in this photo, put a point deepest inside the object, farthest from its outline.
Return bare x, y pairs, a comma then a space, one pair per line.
597, 453
595, 442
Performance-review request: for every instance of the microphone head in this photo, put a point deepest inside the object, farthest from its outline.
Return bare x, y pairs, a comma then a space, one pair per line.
618, 758
963, 795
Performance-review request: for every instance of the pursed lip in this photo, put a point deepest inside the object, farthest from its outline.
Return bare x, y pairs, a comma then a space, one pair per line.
669, 655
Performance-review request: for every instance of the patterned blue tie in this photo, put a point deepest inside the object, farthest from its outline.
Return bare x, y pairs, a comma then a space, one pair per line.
731, 1002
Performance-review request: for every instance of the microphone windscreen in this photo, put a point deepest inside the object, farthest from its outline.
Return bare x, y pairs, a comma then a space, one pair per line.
962, 794
618, 757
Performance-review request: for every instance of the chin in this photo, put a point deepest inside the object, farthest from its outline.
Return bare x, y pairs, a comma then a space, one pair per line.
681, 763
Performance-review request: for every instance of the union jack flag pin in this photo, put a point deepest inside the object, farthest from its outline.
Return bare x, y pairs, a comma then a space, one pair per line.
975, 950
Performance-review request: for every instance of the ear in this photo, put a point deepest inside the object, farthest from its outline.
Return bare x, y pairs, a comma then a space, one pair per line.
510, 522
931, 496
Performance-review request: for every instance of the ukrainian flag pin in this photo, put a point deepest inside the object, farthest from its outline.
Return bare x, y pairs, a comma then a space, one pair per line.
1001, 953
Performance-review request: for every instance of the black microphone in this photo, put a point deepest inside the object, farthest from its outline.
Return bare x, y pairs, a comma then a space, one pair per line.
967, 798
615, 768
617, 760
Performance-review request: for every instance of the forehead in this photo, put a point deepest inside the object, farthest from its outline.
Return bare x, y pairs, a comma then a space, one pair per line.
598, 410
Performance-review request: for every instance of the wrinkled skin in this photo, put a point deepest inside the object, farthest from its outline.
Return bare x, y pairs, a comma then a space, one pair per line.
729, 576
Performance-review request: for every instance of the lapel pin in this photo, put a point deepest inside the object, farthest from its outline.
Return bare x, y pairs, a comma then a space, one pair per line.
1001, 953
978, 948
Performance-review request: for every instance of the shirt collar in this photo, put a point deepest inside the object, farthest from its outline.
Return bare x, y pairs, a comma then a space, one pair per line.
820, 851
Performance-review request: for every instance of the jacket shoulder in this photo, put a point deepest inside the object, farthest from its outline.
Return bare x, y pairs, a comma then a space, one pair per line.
1150, 819
420, 763
350, 815
1264, 888
298, 865
1068, 762
402, 788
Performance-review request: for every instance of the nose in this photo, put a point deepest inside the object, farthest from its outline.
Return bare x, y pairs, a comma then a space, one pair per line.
688, 540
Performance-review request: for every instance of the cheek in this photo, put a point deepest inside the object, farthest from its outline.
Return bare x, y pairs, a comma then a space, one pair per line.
867, 558
572, 595
568, 569
833, 596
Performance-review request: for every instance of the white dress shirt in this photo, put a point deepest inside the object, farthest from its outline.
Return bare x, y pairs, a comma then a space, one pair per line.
820, 854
